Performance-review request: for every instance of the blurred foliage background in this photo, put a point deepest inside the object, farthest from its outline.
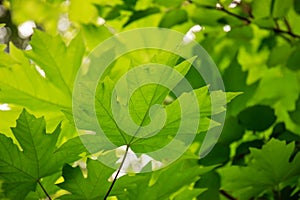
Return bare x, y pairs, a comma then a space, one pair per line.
254, 43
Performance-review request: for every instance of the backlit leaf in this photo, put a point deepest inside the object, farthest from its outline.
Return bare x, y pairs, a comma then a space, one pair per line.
21, 171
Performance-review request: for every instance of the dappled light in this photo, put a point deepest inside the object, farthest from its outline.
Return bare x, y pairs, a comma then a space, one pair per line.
227, 28
4, 107
26, 29
149, 99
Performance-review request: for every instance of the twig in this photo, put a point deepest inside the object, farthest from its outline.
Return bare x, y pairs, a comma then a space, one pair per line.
228, 196
276, 24
115, 178
276, 30
44, 190
247, 20
221, 8
286, 38
287, 25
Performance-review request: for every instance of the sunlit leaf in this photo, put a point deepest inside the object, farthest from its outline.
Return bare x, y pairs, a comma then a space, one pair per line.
22, 171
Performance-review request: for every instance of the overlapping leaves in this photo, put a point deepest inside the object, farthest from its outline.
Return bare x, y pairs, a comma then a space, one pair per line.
274, 165
148, 186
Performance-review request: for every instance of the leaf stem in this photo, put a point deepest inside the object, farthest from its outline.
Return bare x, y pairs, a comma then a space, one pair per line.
277, 193
44, 190
115, 178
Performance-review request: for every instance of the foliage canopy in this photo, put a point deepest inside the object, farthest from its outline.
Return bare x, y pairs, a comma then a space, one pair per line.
254, 43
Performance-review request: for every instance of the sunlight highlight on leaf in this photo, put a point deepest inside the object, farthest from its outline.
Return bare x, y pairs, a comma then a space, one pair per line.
132, 164
26, 29
4, 107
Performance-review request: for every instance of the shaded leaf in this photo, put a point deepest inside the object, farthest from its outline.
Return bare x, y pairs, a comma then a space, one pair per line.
93, 187
173, 17
257, 118
297, 6
293, 61
141, 14
261, 9
271, 164
280, 9
174, 3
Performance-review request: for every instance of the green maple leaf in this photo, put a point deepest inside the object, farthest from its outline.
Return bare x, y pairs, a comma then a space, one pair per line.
92, 187
269, 169
21, 83
140, 104
141, 186
60, 62
95, 185
22, 170
177, 176
23, 86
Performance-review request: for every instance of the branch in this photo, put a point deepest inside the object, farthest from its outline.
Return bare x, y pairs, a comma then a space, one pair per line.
115, 178
44, 190
249, 19
287, 25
